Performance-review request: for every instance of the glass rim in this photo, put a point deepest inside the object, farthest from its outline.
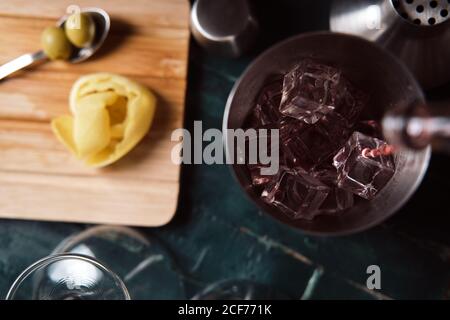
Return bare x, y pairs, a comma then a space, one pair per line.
58, 257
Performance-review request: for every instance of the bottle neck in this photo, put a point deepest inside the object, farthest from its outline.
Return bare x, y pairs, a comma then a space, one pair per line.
418, 126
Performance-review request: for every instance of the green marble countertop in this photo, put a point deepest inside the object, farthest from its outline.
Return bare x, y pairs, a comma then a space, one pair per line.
218, 234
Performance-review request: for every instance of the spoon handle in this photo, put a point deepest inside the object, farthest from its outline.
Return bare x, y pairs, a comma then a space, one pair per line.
20, 63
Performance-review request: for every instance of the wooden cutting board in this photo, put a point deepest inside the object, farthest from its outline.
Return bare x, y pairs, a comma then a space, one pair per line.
39, 178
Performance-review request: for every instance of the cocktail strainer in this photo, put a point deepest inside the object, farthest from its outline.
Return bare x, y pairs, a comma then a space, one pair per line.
423, 12
417, 31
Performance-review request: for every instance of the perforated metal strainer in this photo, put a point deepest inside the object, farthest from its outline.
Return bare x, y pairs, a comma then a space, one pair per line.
423, 12
417, 31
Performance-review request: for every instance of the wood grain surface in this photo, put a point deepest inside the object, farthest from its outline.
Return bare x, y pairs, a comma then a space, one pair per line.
39, 178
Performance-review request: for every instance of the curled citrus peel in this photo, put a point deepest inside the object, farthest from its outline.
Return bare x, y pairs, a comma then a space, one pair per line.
110, 115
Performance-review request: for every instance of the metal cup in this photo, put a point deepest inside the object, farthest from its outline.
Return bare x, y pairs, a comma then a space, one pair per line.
225, 27
375, 71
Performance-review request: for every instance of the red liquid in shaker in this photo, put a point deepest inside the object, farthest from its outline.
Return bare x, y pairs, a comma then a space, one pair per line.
329, 156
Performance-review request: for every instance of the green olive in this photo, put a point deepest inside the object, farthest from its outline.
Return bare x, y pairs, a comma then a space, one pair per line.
55, 43
80, 29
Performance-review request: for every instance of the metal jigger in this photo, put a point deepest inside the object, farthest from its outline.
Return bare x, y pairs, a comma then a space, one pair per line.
225, 27
417, 31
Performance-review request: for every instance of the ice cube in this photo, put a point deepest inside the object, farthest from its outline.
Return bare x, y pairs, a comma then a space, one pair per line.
258, 179
306, 91
271, 92
266, 111
312, 90
338, 200
289, 127
253, 153
296, 193
337, 129
360, 173
307, 146
349, 101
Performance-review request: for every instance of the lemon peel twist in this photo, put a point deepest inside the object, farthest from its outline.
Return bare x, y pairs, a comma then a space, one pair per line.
110, 115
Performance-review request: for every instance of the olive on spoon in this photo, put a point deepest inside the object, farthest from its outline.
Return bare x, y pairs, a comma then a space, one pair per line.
54, 36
